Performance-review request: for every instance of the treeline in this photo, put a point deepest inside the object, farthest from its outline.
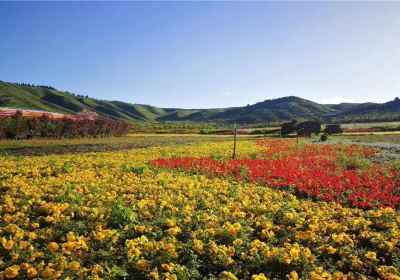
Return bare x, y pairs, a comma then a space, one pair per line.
364, 118
23, 127
32, 85
307, 128
50, 88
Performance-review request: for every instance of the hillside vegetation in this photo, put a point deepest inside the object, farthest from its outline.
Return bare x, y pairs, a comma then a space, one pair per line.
285, 108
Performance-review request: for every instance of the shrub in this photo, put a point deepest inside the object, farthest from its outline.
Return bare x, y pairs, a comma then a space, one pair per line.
288, 127
333, 129
308, 127
18, 126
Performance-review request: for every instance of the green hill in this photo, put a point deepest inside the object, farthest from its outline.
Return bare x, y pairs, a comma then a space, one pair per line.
391, 107
47, 99
280, 109
285, 108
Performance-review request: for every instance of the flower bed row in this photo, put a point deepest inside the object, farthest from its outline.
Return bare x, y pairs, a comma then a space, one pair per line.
320, 172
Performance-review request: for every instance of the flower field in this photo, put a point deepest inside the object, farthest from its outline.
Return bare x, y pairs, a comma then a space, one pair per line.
327, 172
188, 212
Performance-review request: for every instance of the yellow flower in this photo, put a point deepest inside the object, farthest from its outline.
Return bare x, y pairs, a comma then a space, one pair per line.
289, 215
237, 242
307, 253
100, 235
53, 247
47, 272
356, 262
293, 275
330, 250
286, 260
14, 256
198, 246
260, 276
23, 244
24, 266
142, 265
7, 244
171, 277
174, 230
339, 276
12, 271
170, 223
267, 253
140, 228
370, 255
97, 269
294, 253
167, 267
35, 225
133, 252
73, 266
31, 272
226, 275
154, 274
233, 229
32, 235
69, 246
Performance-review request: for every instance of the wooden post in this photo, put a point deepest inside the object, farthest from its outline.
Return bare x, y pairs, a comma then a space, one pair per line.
234, 140
297, 135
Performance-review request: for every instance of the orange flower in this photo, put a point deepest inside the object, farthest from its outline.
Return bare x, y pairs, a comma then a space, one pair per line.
12, 271
74, 266
7, 244
31, 272
142, 265
53, 247
47, 272
371, 255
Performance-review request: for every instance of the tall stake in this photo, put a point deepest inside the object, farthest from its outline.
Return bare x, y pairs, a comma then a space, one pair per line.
234, 140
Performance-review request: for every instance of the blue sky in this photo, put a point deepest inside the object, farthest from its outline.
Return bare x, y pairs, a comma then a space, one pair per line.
205, 54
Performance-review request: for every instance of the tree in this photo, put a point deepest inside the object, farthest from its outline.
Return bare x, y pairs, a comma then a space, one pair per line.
308, 127
288, 127
333, 129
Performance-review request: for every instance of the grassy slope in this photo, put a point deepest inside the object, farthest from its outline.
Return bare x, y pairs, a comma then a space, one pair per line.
374, 108
285, 108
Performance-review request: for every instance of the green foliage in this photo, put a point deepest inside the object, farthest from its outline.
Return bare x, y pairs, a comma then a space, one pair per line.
120, 215
254, 155
138, 170
218, 156
73, 198
117, 271
355, 162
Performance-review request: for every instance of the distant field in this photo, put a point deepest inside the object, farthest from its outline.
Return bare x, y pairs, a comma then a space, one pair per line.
131, 141
62, 146
392, 137
372, 124
371, 133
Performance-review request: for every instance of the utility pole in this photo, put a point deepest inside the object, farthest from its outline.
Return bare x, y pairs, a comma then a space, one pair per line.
234, 140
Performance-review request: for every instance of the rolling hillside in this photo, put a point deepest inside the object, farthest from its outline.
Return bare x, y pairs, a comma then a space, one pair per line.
285, 108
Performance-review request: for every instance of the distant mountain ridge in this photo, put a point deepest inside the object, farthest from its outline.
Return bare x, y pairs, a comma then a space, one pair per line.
280, 109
